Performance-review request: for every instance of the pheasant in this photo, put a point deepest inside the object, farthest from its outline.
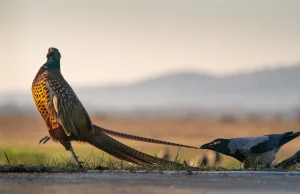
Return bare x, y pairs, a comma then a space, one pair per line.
67, 120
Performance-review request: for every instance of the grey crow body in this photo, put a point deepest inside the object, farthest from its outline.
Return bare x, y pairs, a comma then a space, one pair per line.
252, 150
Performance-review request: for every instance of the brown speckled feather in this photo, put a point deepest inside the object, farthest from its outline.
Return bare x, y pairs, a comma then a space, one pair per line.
58, 103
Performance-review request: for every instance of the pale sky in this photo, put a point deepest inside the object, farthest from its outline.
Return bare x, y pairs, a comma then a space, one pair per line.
120, 41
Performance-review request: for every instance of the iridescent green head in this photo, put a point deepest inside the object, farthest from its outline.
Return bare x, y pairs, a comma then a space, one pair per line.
53, 58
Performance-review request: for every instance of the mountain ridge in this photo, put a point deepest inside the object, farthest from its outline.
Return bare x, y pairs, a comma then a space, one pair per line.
273, 89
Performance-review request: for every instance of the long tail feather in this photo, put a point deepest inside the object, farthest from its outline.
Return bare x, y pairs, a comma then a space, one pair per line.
139, 138
124, 152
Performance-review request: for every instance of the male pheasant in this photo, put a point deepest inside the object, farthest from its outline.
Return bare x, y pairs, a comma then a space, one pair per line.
67, 120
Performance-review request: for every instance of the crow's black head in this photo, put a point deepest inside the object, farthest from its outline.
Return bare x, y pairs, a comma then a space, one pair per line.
218, 145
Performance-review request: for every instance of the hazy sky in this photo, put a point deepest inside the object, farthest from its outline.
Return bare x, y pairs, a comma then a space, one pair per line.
118, 41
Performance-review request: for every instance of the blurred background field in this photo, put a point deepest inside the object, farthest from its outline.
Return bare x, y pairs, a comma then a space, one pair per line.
20, 134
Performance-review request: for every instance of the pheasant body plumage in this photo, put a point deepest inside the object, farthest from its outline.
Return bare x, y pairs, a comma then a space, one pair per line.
67, 120
41, 97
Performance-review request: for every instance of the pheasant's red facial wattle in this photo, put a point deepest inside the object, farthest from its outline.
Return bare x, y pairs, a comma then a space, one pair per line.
49, 53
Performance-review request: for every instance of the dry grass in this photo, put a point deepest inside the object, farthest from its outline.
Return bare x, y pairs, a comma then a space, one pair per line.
20, 134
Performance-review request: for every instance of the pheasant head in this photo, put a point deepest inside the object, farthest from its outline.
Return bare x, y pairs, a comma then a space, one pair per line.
53, 58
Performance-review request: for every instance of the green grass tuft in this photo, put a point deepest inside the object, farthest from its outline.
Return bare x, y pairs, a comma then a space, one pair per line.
98, 160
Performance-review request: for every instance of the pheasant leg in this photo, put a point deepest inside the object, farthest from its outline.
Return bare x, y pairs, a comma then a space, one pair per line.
44, 139
75, 157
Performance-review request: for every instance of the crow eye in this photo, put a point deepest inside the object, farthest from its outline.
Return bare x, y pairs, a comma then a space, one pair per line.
216, 142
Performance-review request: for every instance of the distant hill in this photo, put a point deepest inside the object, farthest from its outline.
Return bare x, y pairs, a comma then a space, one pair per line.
269, 90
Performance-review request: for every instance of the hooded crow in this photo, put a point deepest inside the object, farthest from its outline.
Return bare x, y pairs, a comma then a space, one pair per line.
251, 151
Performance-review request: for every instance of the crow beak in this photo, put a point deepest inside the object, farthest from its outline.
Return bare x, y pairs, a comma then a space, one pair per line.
205, 146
